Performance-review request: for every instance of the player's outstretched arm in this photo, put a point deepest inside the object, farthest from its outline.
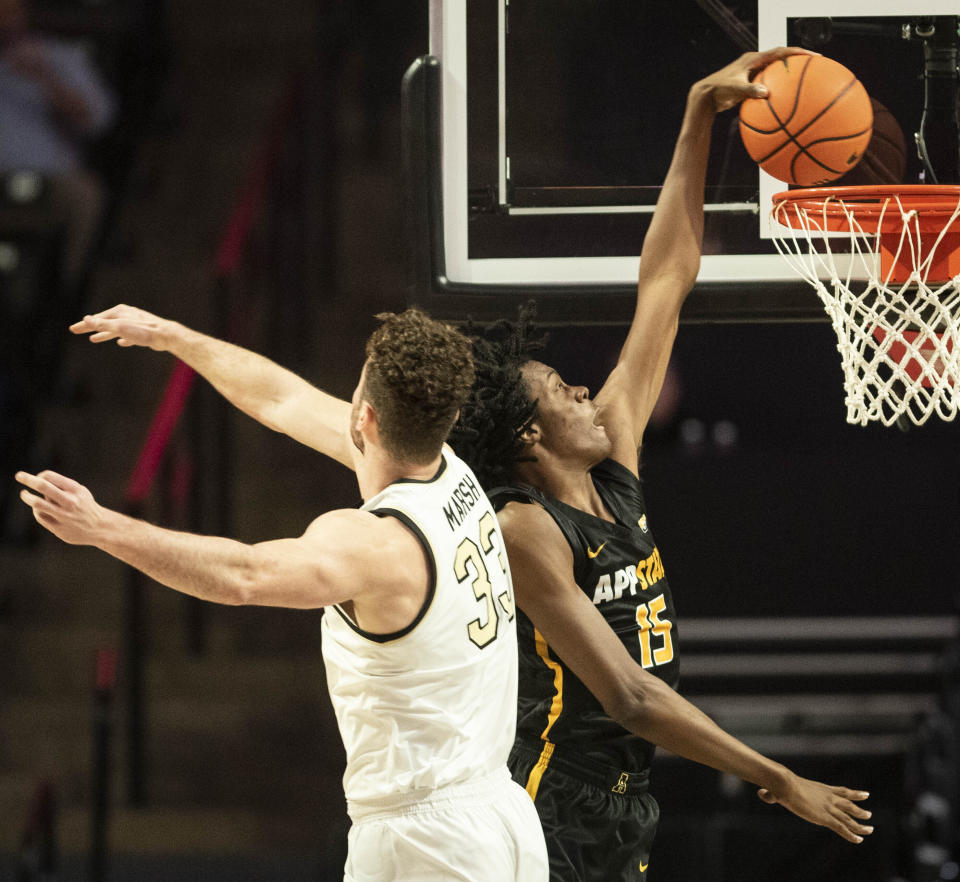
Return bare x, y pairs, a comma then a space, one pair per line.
270, 394
542, 567
670, 257
328, 564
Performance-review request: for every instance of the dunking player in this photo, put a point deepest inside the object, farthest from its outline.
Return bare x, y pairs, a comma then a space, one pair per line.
599, 659
419, 638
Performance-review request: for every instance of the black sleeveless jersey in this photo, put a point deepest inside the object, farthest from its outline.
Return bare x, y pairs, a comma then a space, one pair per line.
617, 565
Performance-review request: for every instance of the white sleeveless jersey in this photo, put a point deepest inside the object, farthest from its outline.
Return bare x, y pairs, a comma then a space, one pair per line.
434, 704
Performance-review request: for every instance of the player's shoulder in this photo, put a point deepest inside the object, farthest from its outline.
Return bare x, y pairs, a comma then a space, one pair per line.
528, 525
356, 542
360, 530
519, 511
614, 471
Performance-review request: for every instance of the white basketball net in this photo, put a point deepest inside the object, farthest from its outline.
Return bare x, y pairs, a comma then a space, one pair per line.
899, 342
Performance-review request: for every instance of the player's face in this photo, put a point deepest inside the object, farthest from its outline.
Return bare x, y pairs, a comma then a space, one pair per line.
567, 417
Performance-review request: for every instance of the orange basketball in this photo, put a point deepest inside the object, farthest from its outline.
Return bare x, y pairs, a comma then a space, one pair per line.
813, 126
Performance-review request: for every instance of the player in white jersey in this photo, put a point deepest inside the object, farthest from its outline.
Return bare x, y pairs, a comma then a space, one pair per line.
420, 636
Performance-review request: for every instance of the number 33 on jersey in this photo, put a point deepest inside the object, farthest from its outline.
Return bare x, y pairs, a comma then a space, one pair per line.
473, 564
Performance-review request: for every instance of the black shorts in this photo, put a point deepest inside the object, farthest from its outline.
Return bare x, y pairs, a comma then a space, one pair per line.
599, 825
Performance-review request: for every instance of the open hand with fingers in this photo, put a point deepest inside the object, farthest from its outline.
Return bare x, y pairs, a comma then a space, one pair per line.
128, 325
66, 508
732, 84
828, 806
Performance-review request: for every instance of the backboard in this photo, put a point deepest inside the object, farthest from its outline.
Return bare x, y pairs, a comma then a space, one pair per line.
554, 127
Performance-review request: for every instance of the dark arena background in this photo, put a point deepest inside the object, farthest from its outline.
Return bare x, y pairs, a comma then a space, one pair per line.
266, 177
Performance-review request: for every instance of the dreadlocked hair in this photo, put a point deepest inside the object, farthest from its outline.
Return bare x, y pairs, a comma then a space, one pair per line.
488, 434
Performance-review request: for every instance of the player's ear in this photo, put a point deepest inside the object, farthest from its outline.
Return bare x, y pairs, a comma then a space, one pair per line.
366, 417
531, 434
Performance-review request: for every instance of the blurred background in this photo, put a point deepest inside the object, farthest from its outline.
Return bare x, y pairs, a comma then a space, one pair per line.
236, 166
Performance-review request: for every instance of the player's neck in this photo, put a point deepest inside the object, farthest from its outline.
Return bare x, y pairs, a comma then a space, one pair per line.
572, 485
378, 470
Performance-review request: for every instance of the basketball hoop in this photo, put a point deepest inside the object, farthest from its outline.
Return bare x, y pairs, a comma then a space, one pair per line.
895, 307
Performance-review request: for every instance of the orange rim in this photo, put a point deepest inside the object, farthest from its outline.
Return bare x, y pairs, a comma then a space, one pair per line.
933, 204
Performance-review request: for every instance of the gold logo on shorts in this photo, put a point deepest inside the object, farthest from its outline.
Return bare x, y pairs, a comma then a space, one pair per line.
621, 785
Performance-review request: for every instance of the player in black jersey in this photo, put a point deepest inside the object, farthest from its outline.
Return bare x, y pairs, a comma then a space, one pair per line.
598, 645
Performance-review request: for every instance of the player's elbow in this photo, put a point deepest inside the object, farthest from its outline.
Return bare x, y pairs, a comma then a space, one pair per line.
675, 279
635, 702
245, 589
252, 581
270, 412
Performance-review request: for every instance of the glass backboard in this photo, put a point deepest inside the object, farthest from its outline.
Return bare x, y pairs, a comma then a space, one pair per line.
557, 122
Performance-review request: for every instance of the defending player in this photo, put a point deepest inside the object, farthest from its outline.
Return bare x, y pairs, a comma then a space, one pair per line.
419, 638
599, 661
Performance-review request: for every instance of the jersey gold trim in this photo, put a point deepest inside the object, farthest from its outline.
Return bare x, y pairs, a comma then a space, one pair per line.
536, 773
556, 707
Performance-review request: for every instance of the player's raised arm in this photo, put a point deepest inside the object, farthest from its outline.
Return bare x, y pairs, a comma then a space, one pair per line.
541, 563
330, 563
670, 257
269, 393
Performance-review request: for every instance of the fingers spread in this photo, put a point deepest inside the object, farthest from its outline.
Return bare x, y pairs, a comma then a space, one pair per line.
34, 482
30, 499
43, 511
44, 488
842, 831
854, 810
845, 812
50, 485
850, 829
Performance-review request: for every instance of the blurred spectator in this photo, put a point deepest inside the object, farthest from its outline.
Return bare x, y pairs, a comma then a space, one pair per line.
53, 103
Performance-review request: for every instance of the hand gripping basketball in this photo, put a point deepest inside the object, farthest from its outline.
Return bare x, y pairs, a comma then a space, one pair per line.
813, 126
736, 82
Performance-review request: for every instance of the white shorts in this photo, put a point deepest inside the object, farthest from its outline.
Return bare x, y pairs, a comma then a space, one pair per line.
484, 831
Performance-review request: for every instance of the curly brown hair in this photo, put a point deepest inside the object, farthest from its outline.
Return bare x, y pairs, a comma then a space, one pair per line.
419, 374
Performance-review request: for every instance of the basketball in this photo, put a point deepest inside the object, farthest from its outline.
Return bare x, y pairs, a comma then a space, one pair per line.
813, 126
